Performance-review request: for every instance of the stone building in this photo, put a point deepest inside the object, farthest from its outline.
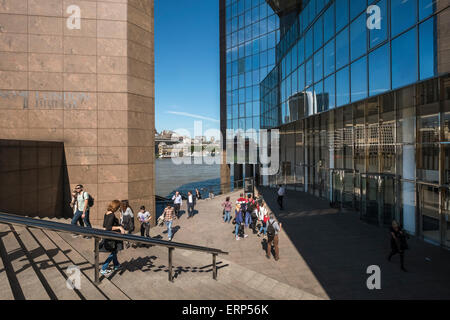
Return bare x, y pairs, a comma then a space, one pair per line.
76, 104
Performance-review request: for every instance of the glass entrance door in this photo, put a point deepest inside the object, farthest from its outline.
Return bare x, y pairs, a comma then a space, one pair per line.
387, 196
337, 188
348, 189
370, 199
429, 213
446, 218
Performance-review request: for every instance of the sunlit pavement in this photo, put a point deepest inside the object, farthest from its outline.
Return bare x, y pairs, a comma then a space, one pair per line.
324, 251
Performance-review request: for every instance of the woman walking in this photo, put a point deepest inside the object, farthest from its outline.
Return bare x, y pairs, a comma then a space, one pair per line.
227, 207
398, 243
239, 221
111, 223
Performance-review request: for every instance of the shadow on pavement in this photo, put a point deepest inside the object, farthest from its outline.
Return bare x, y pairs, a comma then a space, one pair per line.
338, 248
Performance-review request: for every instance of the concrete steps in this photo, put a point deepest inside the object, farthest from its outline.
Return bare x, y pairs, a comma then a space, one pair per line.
39, 259
6, 292
27, 283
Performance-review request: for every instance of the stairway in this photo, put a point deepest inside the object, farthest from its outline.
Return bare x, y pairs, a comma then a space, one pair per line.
33, 265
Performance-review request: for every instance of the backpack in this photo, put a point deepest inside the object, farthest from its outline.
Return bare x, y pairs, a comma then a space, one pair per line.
270, 230
91, 201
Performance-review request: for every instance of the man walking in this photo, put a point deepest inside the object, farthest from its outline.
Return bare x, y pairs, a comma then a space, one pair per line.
82, 211
169, 215
177, 202
273, 228
144, 217
281, 193
74, 206
190, 204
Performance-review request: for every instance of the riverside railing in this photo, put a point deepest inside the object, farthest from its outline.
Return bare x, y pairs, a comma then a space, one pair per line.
98, 234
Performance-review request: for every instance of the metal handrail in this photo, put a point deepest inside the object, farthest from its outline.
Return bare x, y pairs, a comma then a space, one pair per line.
110, 235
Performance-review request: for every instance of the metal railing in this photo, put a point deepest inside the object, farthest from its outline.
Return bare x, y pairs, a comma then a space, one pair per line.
98, 234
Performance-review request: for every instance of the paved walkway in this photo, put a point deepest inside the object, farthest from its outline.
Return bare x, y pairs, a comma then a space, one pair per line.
323, 251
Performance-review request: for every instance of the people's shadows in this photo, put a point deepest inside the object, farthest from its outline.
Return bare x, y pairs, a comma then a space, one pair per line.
175, 230
264, 245
194, 213
181, 213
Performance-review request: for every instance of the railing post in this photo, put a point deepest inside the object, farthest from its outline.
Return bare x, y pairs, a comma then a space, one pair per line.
97, 271
214, 266
170, 265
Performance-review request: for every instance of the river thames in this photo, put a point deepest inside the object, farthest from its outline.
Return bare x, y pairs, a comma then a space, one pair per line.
184, 177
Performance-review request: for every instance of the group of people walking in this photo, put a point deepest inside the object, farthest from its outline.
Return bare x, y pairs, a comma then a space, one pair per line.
252, 214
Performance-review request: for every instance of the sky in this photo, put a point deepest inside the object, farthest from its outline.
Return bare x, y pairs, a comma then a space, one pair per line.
187, 68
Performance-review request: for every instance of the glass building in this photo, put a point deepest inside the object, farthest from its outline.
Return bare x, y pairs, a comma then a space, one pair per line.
249, 31
361, 95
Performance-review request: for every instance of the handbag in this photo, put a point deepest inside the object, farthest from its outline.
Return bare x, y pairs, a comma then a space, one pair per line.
107, 245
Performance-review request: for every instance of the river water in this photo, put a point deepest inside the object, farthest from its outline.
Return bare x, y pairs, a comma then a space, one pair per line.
184, 177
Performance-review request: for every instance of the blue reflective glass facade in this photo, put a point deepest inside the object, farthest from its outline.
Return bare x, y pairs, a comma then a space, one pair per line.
251, 34
362, 104
348, 43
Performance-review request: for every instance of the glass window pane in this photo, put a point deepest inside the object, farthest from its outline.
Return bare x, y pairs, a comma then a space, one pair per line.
301, 51
404, 66
379, 35
329, 58
342, 49
318, 66
342, 87
328, 23
309, 101
309, 72
356, 7
342, 12
329, 93
309, 43
318, 95
379, 71
427, 57
403, 15
359, 79
318, 34
358, 37
426, 7
301, 77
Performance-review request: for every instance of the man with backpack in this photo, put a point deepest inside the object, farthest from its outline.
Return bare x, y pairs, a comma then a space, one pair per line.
273, 229
84, 203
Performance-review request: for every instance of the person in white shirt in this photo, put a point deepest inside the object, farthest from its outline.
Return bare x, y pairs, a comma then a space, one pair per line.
190, 205
177, 202
281, 193
144, 217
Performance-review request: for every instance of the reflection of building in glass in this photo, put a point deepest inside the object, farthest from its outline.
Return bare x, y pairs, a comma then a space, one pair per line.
364, 113
249, 32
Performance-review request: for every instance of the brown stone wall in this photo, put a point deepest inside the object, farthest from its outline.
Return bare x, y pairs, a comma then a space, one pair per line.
92, 89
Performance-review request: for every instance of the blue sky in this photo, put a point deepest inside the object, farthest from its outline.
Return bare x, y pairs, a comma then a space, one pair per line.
187, 69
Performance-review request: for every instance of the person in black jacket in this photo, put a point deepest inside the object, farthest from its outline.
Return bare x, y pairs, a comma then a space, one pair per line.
398, 243
111, 223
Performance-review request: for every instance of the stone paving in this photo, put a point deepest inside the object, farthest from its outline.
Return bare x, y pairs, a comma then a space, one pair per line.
323, 251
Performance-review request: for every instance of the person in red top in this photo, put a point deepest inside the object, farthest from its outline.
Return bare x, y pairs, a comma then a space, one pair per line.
241, 199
